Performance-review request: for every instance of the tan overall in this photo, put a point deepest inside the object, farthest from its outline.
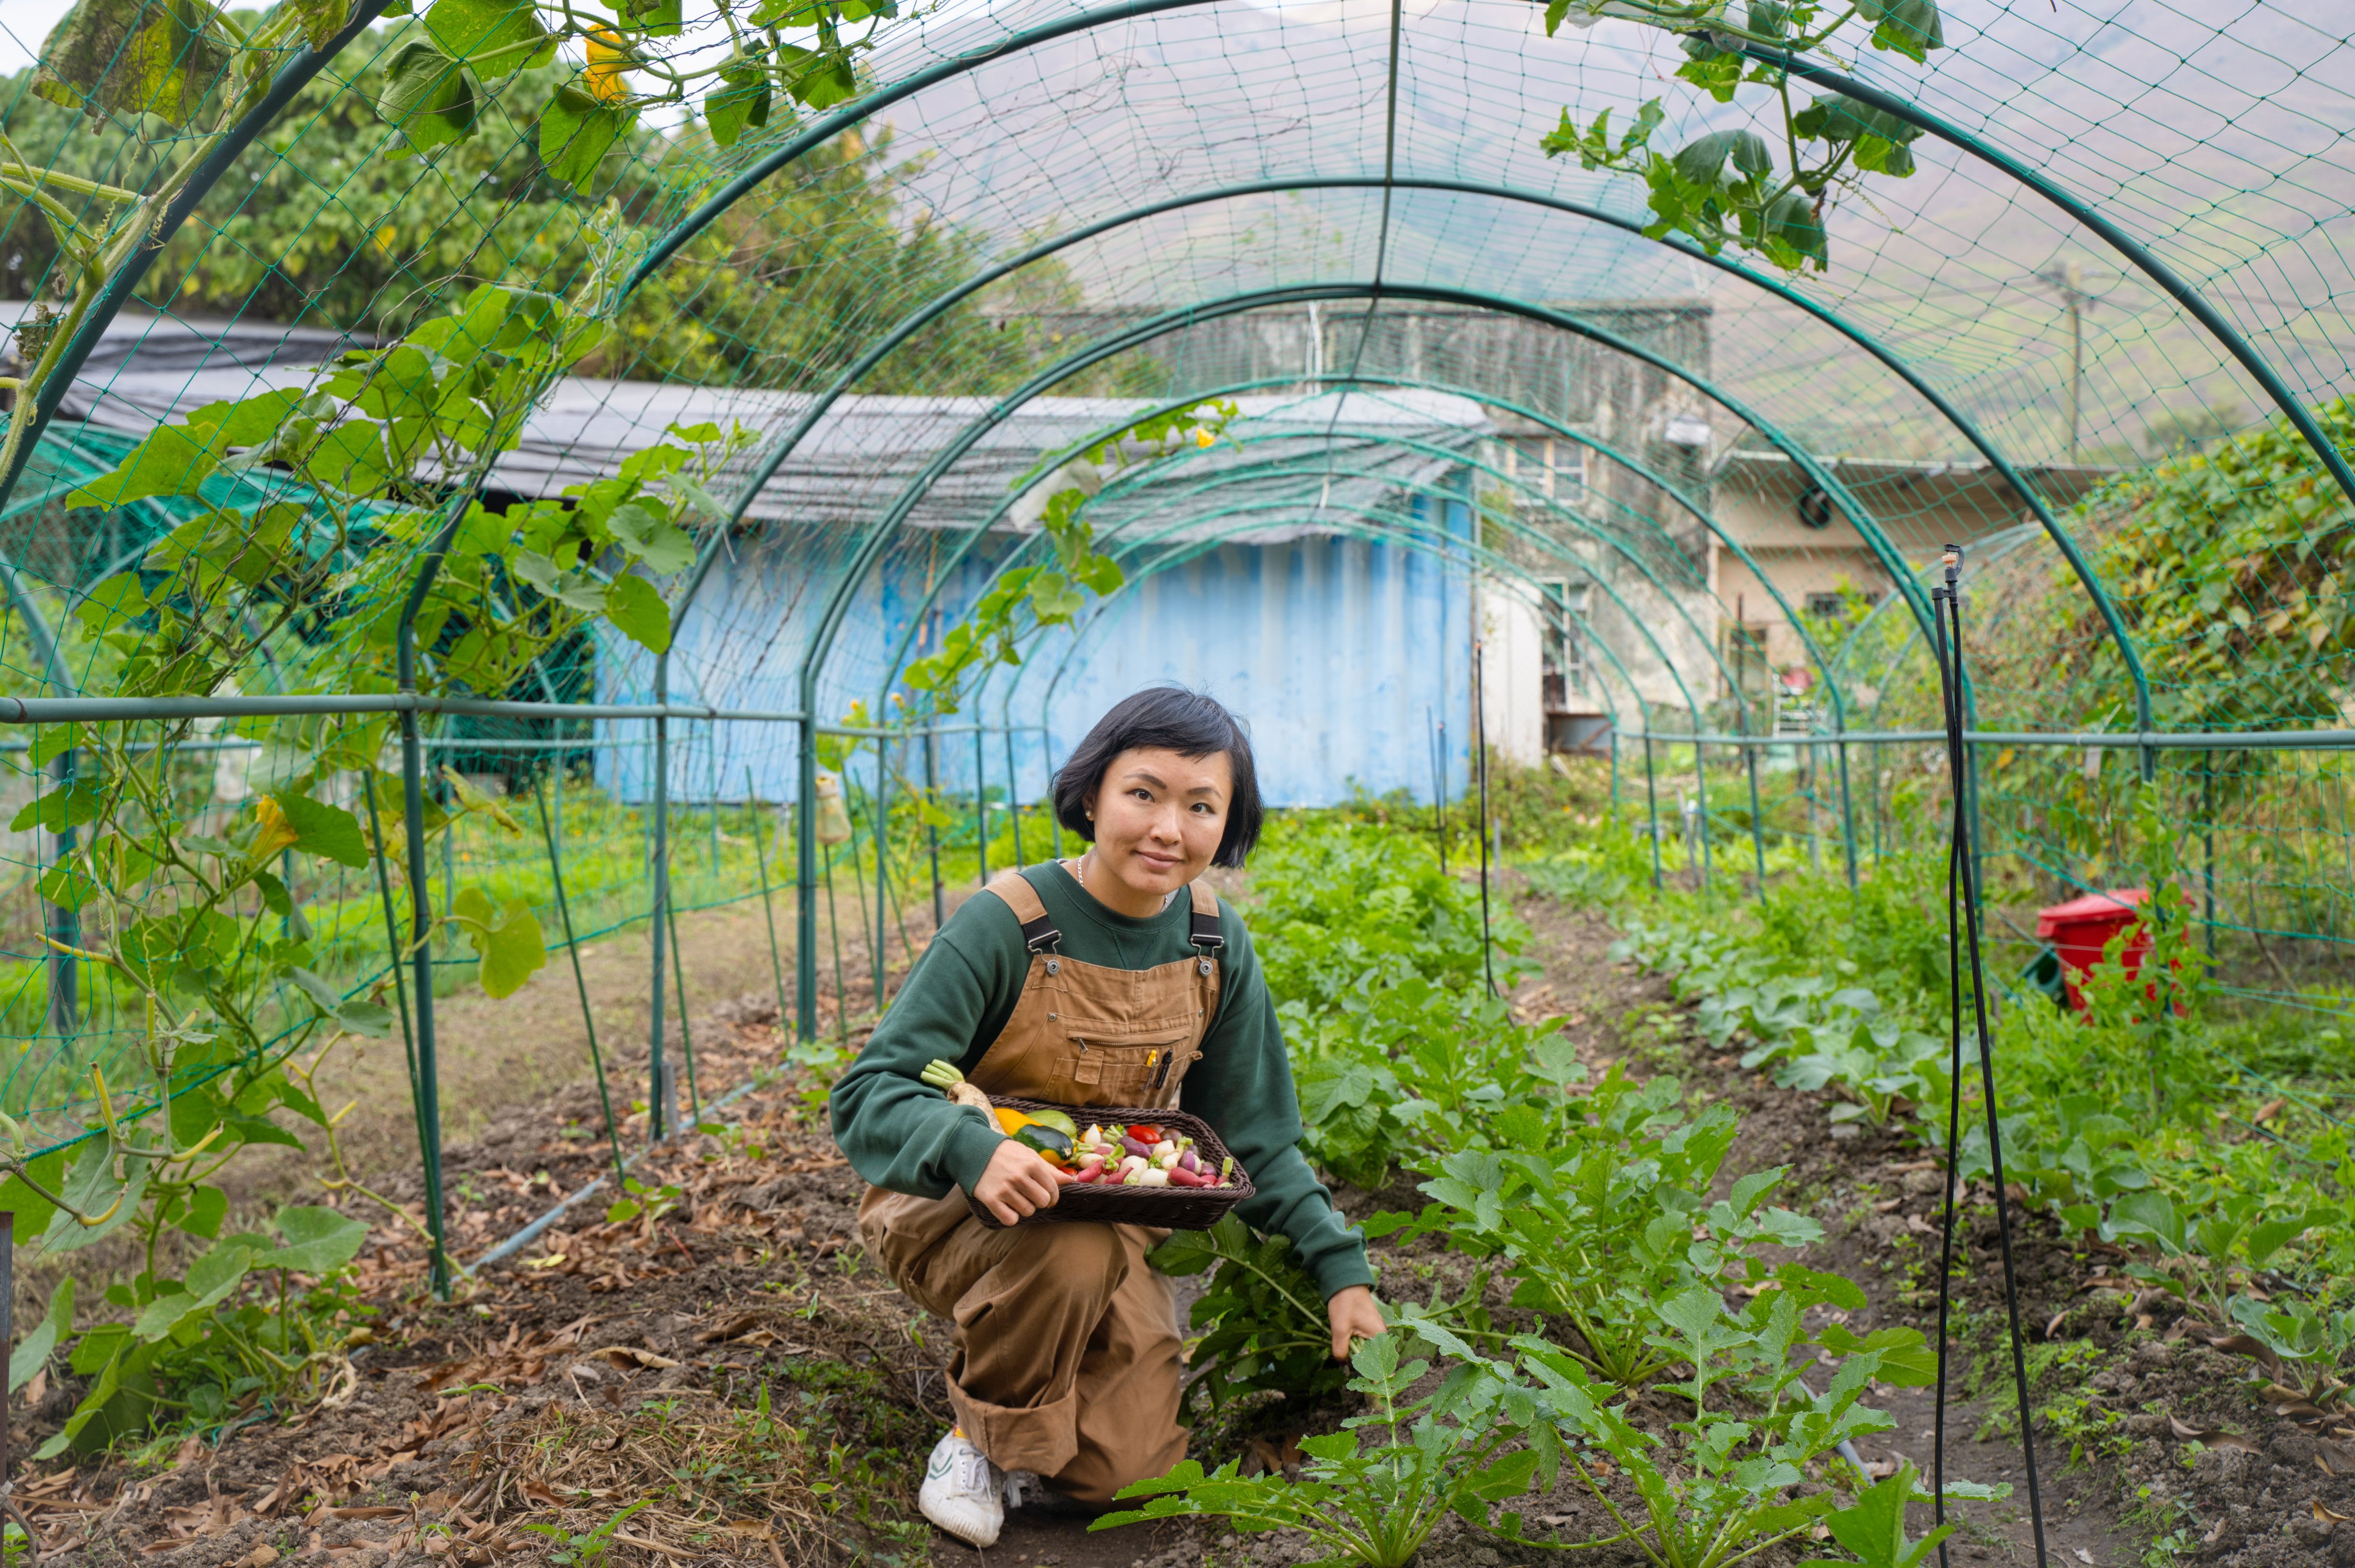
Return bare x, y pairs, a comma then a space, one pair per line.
1066, 1350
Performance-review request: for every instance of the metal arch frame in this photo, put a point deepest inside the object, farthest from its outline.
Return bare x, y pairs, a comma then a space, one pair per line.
974, 536
309, 62
980, 532
1500, 566
830, 615
921, 484
1962, 423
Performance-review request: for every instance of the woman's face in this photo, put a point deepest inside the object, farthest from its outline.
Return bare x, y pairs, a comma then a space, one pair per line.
1158, 818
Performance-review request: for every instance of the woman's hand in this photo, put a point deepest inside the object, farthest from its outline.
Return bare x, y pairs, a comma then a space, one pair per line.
1354, 1317
1018, 1183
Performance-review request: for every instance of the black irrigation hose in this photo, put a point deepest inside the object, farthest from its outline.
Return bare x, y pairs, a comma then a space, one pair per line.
579, 982
1962, 911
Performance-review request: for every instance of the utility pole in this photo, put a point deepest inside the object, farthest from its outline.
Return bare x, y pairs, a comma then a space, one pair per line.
2069, 279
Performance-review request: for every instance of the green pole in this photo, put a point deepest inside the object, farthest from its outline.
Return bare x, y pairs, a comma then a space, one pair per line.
768, 907
876, 953
834, 930
932, 832
685, 1040
805, 862
662, 1092
1652, 803
579, 981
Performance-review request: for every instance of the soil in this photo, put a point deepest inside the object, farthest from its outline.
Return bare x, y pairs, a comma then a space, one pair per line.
736, 1366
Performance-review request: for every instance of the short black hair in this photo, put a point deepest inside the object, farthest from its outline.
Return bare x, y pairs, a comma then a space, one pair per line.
1165, 718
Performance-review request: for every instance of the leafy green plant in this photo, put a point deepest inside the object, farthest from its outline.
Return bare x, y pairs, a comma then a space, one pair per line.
1727, 186
1373, 1505
2310, 1344
193, 1345
1716, 1490
1596, 1217
642, 1201
1414, 1069
2201, 1251
1264, 1321
1874, 1526
588, 1548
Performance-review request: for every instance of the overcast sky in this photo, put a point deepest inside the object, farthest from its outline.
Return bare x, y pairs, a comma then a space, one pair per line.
23, 24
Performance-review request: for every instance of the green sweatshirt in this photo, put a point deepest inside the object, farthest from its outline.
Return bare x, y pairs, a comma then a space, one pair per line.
903, 1136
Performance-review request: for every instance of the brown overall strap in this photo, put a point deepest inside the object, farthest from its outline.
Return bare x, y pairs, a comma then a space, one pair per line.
1014, 889
1203, 928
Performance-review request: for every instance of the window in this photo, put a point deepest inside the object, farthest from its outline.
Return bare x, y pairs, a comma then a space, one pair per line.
1830, 606
1561, 609
1565, 473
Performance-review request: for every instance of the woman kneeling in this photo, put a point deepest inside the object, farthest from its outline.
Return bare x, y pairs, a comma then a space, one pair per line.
1118, 980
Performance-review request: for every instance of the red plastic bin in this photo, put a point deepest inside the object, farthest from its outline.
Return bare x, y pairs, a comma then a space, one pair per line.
2080, 929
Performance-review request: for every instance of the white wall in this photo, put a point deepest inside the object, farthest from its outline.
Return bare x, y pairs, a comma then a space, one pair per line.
1513, 664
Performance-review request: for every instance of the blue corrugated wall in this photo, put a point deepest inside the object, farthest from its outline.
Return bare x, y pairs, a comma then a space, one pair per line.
1339, 653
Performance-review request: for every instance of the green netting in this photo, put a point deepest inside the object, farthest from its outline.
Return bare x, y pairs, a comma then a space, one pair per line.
1686, 397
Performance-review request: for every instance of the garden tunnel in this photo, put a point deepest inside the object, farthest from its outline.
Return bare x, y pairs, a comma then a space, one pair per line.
1305, 315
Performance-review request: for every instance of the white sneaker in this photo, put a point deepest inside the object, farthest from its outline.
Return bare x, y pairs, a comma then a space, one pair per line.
964, 1493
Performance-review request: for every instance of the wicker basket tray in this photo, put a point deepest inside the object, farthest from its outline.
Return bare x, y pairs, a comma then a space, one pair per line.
1168, 1208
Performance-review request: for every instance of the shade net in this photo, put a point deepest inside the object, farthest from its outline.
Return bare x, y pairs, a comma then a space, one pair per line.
2088, 301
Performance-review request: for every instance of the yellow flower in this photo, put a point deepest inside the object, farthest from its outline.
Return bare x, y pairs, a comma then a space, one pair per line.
1203, 437
276, 834
608, 81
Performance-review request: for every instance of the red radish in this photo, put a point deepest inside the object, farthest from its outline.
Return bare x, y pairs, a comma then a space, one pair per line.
1090, 1173
1182, 1176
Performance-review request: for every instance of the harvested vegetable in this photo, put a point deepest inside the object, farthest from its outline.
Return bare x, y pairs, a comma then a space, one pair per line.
1048, 1116
1050, 1144
1145, 1133
944, 1076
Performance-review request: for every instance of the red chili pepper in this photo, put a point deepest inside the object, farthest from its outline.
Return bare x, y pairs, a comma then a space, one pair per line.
1145, 1133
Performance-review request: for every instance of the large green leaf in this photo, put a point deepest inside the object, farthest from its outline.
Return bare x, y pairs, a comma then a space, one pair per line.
327, 831
34, 1211
576, 131
33, 1352
1909, 26
636, 608
133, 57
654, 538
430, 96
92, 1186
172, 459
497, 35
510, 943
742, 100
212, 1279
1723, 157
318, 1241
